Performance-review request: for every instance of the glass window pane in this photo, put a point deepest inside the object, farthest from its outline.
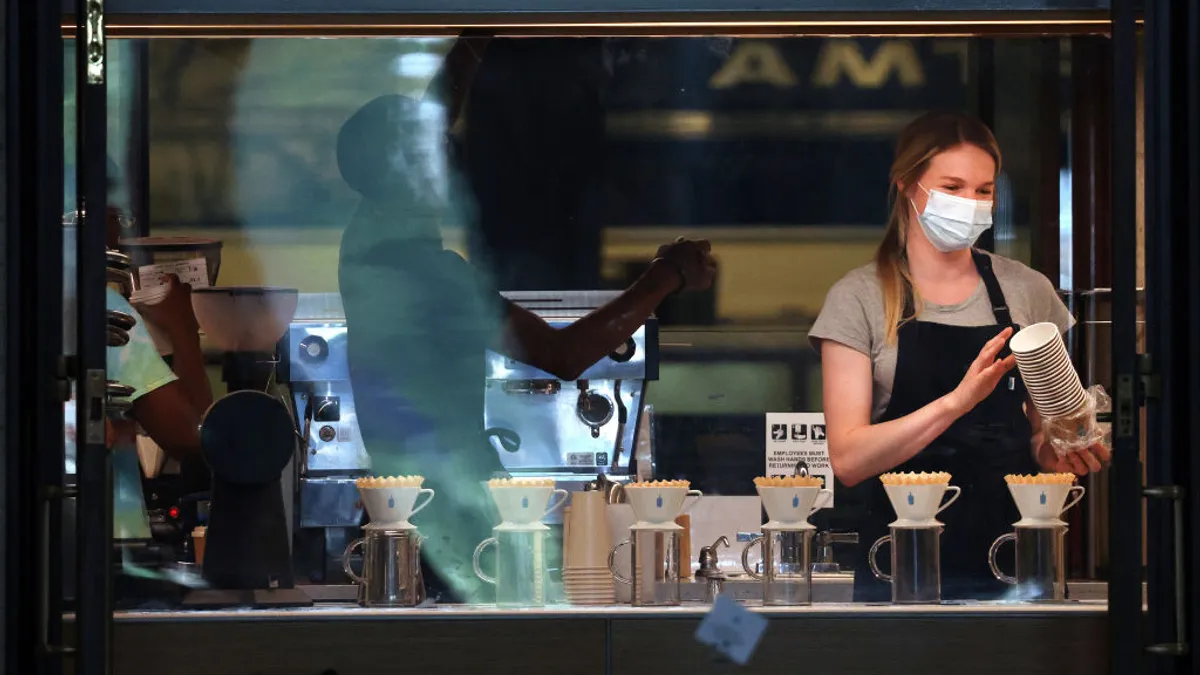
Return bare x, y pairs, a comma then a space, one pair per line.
400, 185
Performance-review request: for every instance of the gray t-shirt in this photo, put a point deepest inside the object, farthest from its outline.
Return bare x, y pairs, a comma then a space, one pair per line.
853, 315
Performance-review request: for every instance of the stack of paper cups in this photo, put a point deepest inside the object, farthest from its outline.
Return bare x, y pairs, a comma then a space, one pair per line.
146, 297
1047, 370
586, 543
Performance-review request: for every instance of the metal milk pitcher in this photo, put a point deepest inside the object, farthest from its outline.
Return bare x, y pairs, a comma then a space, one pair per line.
391, 568
1040, 563
916, 576
786, 565
520, 578
654, 564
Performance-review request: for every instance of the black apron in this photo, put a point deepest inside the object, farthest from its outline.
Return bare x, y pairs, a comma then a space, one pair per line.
978, 450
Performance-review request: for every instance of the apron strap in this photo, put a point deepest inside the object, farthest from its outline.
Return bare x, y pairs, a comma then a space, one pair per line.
983, 264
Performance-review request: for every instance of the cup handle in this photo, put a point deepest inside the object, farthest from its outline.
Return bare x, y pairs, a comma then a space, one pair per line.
422, 491
1011, 536
357, 543
871, 558
556, 505
818, 504
691, 493
1078, 490
612, 563
475, 559
746, 557
953, 498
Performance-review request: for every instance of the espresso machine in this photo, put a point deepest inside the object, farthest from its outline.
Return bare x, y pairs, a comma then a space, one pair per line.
569, 431
314, 363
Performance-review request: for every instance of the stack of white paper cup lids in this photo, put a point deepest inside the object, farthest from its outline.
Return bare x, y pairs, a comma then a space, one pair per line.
1047, 370
146, 297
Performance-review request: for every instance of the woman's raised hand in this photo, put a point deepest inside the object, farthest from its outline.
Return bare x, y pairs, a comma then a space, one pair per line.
983, 375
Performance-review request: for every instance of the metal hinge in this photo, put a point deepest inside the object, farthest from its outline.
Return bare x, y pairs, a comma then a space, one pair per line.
1151, 381
1125, 407
64, 372
95, 387
94, 34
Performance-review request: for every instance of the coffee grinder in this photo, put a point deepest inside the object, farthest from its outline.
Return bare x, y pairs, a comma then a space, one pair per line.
1038, 536
248, 439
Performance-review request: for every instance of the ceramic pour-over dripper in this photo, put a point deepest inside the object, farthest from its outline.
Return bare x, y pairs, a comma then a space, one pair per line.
390, 502
918, 499
792, 505
658, 502
524, 501
1042, 499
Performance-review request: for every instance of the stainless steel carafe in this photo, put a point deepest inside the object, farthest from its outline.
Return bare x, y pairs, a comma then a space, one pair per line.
391, 568
786, 565
520, 577
654, 564
1040, 563
916, 575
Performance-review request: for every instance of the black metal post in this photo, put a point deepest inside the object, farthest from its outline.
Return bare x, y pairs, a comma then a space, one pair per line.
94, 470
1125, 552
1170, 199
33, 485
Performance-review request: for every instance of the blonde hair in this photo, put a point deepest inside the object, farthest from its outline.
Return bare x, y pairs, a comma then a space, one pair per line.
923, 139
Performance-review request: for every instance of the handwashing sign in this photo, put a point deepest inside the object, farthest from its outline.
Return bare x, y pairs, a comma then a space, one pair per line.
796, 437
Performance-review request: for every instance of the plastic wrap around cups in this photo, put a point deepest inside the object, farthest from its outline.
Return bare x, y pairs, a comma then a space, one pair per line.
655, 505
1044, 503
793, 504
524, 505
393, 506
918, 505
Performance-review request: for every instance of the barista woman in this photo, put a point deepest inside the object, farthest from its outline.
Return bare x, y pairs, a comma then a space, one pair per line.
913, 355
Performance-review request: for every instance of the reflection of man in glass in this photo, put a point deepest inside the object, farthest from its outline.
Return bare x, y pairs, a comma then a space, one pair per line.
421, 318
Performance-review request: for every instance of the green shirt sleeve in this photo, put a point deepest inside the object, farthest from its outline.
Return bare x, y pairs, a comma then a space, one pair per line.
137, 364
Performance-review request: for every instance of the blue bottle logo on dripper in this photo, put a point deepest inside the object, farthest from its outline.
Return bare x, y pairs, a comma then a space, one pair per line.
1043, 499
391, 502
524, 502
911, 501
658, 502
795, 501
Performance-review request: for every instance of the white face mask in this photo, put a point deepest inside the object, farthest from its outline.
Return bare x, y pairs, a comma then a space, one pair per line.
953, 223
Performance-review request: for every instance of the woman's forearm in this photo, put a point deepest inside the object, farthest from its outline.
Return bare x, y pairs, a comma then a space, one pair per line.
869, 450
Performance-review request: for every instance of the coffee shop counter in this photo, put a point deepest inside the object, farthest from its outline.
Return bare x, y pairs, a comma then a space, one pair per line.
344, 639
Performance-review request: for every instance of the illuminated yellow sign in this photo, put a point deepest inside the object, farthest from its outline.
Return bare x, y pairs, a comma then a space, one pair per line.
762, 62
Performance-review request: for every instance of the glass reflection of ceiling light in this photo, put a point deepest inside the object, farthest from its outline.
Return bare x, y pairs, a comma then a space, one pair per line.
418, 65
423, 42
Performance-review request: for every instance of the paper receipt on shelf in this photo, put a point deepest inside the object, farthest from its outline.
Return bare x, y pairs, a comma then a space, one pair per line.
732, 630
194, 272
